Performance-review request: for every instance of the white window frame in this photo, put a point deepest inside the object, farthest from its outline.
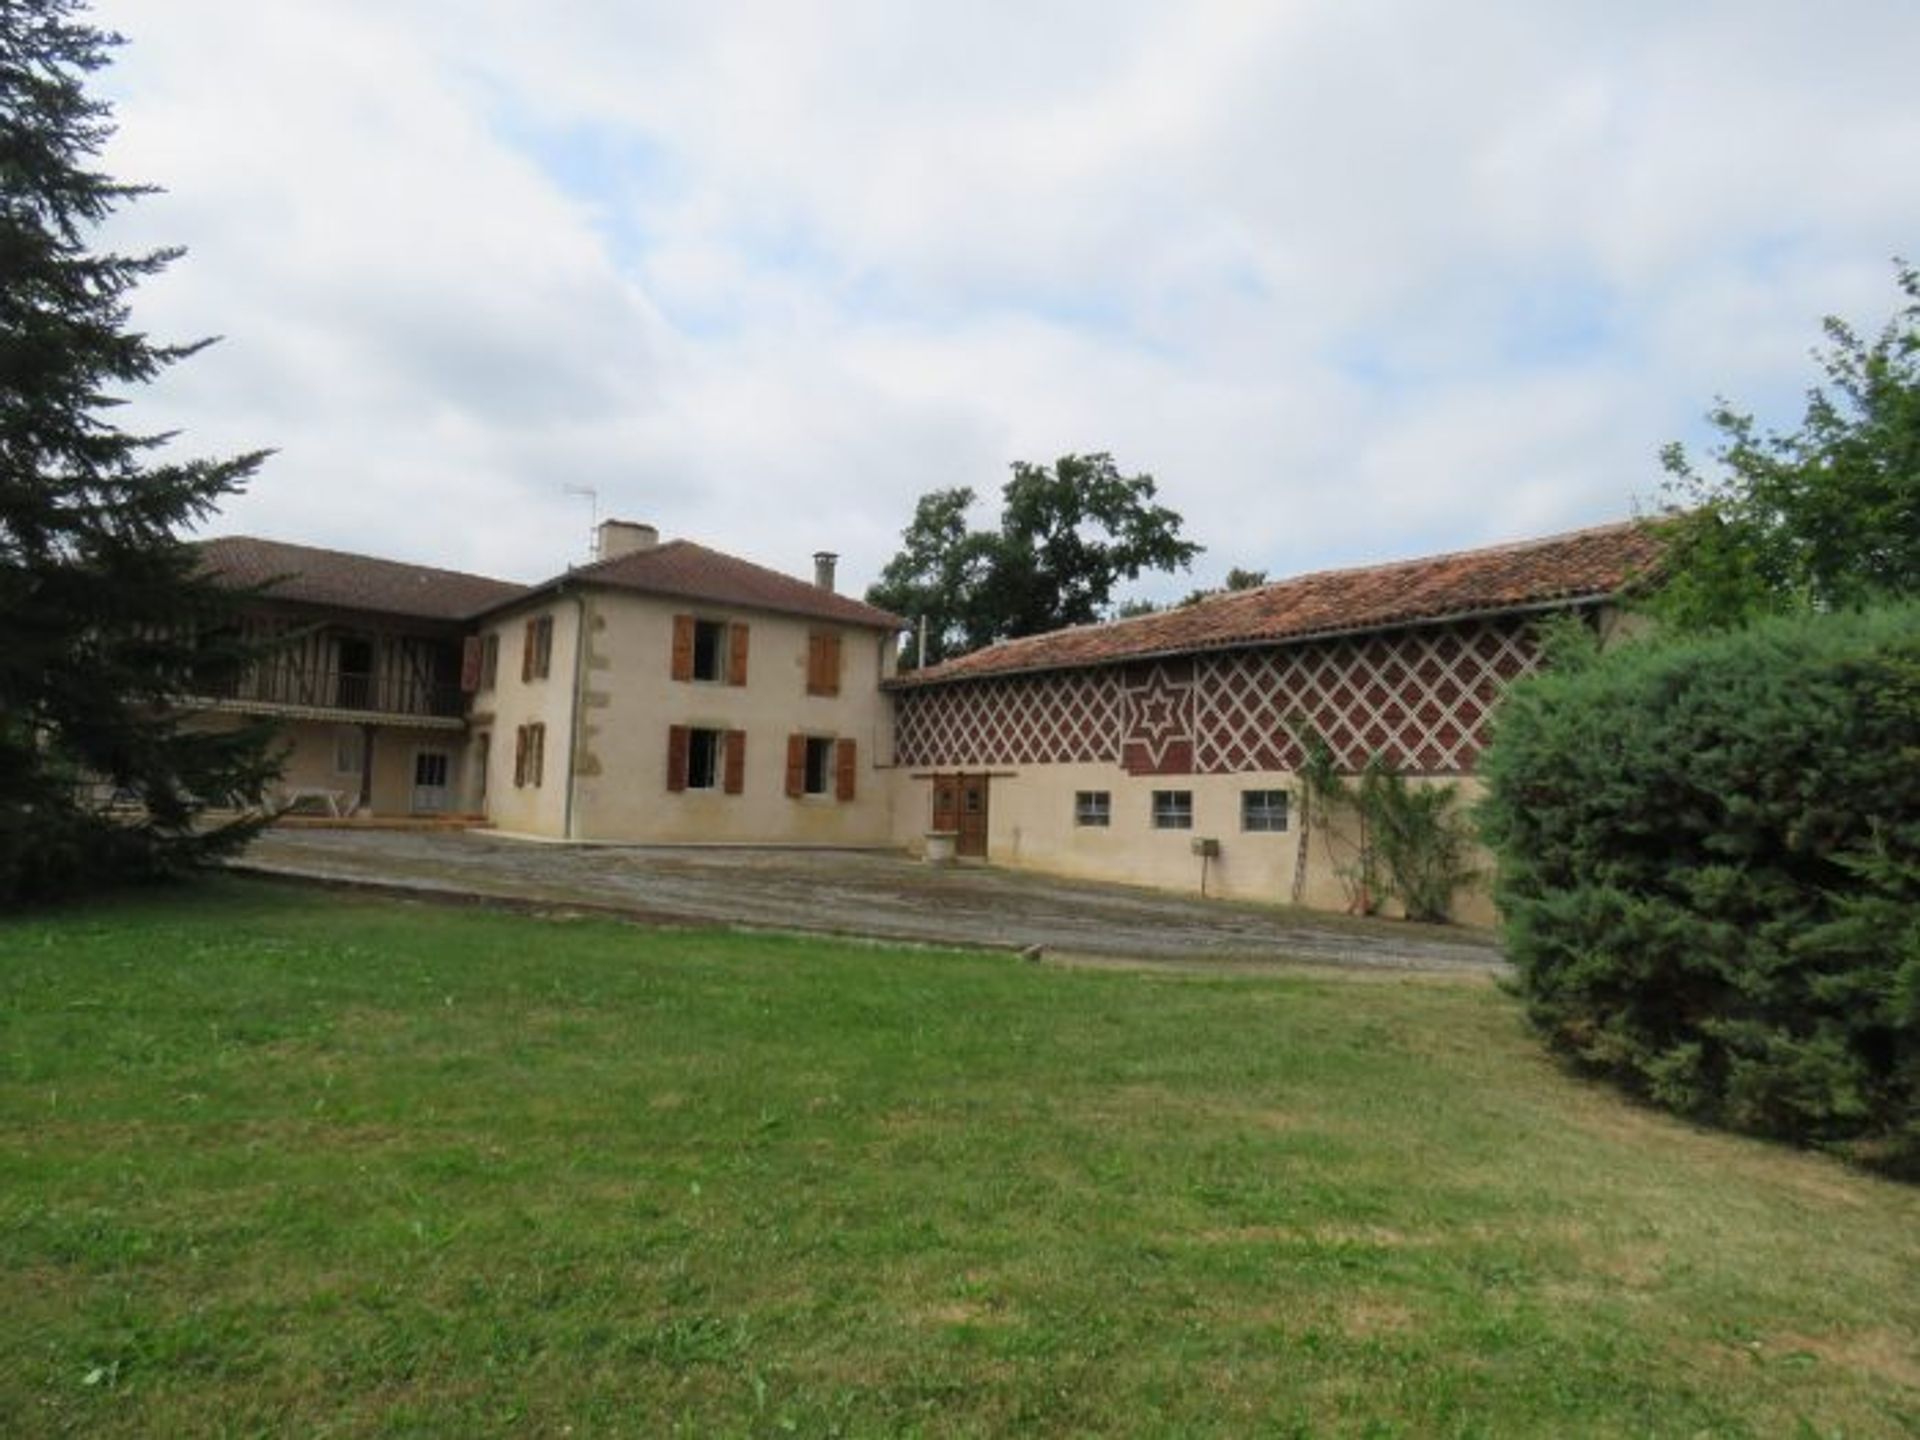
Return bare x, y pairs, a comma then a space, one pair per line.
1259, 811
1172, 809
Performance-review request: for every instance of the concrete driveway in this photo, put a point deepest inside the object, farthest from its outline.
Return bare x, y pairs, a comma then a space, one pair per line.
882, 895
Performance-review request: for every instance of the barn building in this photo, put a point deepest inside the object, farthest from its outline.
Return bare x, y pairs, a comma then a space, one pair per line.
1165, 750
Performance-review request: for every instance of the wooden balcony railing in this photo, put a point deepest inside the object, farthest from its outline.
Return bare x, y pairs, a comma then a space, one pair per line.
328, 688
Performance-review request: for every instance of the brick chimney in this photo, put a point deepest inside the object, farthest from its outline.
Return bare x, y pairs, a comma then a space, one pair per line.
623, 537
823, 563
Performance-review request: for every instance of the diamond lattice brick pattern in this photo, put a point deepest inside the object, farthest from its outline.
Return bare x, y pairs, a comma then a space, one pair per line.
1421, 699
1062, 718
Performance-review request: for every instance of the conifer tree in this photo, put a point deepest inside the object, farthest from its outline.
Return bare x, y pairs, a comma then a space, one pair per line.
105, 622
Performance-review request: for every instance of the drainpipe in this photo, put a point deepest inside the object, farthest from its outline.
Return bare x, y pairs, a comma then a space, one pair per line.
576, 708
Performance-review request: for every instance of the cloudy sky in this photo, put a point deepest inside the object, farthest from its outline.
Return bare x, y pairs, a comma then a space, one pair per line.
1352, 280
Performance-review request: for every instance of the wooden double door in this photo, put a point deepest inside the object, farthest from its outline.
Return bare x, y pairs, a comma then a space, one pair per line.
960, 807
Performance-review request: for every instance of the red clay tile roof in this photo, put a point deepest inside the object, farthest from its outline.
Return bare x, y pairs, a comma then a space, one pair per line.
352, 582
1584, 565
684, 570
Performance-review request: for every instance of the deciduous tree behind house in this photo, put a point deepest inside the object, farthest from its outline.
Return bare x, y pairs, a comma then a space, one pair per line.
1068, 534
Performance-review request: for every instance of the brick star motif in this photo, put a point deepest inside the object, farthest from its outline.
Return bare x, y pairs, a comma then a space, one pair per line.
1159, 713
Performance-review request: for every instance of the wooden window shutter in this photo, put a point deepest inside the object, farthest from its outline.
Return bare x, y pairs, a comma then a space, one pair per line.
736, 780
736, 654
677, 744
843, 776
796, 764
537, 753
543, 647
471, 650
823, 663
526, 652
683, 647
520, 756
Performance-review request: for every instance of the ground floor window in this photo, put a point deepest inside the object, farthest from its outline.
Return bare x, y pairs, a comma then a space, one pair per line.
348, 748
1173, 809
704, 751
529, 755
700, 757
1093, 807
819, 766
1263, 809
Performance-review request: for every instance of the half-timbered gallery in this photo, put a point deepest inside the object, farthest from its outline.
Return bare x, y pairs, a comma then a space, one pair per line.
668, 693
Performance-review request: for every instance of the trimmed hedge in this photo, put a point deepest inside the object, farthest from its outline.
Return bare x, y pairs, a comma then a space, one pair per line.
1710, 874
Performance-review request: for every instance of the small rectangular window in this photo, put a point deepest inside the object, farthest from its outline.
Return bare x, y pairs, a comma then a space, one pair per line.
706, 752
819, 773
1093, 807
347, 750
1263, 809
1173, 809
709, 650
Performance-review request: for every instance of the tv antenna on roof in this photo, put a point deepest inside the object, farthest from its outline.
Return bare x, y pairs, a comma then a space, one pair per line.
592, 497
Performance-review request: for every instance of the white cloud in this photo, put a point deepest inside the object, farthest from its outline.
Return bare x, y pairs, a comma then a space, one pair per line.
1351, 281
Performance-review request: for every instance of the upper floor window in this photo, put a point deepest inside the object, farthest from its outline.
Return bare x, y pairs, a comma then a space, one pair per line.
711, 650
536, 648
823, 662
490, 660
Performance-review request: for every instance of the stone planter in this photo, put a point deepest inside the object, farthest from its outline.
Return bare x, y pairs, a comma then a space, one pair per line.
942, 846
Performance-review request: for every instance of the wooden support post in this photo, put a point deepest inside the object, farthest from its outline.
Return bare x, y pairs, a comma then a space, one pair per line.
366, 771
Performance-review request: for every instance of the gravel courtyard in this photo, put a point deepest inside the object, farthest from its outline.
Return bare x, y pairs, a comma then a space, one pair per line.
878, 894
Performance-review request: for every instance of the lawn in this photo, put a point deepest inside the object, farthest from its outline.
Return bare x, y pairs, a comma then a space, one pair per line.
276, 1161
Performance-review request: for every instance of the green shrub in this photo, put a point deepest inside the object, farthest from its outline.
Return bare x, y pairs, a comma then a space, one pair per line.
1709, 869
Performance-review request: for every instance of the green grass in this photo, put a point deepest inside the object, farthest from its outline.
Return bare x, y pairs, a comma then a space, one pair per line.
274, 1161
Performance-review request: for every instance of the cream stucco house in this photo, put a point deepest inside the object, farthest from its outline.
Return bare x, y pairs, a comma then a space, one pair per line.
671, 694
665, 693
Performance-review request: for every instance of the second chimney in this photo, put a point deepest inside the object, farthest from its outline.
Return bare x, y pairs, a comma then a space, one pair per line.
823, 563
623, 537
